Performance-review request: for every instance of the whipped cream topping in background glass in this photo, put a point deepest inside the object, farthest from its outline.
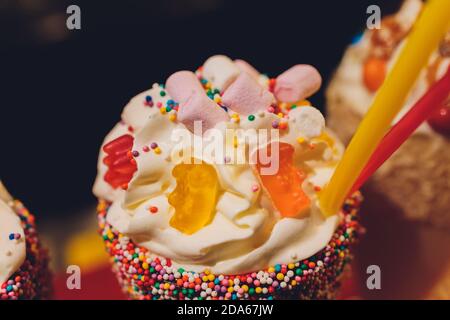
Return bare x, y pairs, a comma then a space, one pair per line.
348, 80
247, 233
12, 252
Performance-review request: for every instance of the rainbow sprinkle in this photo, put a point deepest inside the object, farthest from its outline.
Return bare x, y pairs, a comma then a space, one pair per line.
146, 277
32, 279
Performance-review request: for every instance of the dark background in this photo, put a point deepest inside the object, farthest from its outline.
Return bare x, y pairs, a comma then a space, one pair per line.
62, 91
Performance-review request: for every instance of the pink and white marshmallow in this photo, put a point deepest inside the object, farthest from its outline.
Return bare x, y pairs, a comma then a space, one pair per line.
246, 96
182, 84
220, 71
198, 107
297, 83
244, 66
194, 105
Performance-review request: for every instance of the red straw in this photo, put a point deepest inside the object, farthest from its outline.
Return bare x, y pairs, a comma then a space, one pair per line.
401, 131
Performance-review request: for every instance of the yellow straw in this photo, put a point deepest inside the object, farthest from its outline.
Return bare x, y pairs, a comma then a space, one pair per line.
425, 36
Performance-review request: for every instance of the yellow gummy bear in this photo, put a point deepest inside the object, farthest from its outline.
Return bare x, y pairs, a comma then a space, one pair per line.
194, 197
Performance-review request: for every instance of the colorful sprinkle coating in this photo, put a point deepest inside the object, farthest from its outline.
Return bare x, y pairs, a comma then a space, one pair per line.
32, 279
147, 277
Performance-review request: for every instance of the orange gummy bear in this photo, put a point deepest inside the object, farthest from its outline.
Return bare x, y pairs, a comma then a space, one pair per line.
285, 187
194, 197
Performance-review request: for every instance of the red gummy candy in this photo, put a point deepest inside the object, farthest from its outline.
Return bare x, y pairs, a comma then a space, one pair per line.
119, 160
